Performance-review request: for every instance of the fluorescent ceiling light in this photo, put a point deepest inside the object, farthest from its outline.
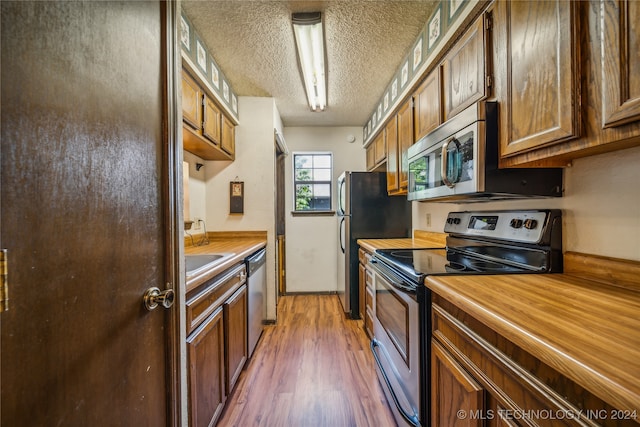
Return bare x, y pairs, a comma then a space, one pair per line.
307, 28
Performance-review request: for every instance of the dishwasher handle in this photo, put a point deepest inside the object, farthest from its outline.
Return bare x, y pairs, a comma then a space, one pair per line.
255, 261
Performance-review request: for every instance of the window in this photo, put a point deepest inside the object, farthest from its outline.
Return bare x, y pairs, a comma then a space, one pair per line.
312, 174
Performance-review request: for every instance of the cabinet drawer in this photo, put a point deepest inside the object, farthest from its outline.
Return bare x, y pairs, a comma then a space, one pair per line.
368, 298
212, 295
362, 256
369, 279
368, 323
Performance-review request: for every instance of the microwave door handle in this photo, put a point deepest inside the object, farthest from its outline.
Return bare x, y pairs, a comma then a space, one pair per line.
444, 161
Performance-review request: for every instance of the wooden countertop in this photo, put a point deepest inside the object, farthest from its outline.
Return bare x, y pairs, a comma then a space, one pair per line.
587, 331
240, 243
421, 239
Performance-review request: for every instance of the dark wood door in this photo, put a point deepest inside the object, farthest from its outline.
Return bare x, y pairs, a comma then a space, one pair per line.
82, 213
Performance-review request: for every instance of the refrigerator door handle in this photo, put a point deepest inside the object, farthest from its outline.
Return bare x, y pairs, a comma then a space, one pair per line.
341, 234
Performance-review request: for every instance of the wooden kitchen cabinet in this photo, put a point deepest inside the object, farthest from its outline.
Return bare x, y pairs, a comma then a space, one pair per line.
621, 72
465, 70
376, 152
207, 393
216, 318
405, 140
381, 148
367, 291
191, 98
228, 143
391, 136
427, 106
493, 382
235, 338
456, 389
538, 70
211, 120
597, 42
399, 137
207, 131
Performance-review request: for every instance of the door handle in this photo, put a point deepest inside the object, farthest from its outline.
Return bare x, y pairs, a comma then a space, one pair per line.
154, 297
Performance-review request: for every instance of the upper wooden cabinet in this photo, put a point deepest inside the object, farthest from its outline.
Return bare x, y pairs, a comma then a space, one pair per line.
211, 120
405, 140
539, 73
391, 136
207, 131
621, 62
191, 101
427, 109
465, 69
376, 151
228, 142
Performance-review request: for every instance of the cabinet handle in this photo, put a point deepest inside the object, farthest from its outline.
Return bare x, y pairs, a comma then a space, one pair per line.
242, 275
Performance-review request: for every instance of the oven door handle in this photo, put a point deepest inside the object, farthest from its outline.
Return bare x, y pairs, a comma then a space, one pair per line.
411, 418
393, 282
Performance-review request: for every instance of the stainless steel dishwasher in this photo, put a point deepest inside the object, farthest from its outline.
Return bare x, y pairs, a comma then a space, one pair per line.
257, 287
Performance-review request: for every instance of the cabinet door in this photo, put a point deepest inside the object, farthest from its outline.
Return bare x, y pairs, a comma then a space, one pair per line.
542, 81
371, 156
191, 101
427, 108
228, 143
464, 71
621, 62
205, 348
362, 285
235, 323
211, 120
391, 135
381, 148
453, 392
405, 140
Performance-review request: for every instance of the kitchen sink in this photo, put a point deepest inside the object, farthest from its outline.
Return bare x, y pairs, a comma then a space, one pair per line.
195, 264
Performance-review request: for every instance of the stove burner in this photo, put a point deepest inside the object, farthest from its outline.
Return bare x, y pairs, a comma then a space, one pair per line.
402, 254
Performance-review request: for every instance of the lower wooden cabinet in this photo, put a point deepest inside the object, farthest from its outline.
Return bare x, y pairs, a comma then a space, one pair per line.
216, 343
366, 300
479, 378
235, 328
207, 393
459, 394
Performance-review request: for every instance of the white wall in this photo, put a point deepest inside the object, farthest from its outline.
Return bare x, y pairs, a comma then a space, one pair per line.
312, 242
255, 166
601, 206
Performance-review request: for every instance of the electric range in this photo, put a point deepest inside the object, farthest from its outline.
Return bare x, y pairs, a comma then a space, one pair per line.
478, 242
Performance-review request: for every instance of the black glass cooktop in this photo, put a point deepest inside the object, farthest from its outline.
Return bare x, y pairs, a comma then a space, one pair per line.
418, 263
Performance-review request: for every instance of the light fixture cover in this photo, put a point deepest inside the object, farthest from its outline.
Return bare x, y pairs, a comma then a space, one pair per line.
307, 28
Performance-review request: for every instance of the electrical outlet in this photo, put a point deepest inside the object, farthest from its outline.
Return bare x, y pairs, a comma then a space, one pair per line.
196, 223
428, 218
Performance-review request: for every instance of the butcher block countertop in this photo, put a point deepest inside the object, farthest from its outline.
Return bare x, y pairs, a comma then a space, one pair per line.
242, 244
586, 330
421, 239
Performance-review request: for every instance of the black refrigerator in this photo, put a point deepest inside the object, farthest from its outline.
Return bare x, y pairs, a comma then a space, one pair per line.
365, 211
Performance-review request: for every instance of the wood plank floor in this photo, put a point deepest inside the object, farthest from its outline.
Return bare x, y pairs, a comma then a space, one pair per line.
314, 368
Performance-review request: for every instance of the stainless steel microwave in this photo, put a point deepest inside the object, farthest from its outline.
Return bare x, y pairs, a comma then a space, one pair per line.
458, 161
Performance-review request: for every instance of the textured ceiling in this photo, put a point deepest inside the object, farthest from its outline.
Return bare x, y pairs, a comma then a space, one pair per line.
253, 43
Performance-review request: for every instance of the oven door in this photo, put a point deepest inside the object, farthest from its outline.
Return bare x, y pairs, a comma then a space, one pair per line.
395, 345
450, 167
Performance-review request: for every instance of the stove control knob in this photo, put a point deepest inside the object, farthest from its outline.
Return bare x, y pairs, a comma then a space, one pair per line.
449, 220
516, 223
456, 221
530, 224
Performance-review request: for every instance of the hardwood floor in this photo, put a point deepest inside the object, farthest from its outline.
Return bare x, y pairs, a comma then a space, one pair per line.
314, 368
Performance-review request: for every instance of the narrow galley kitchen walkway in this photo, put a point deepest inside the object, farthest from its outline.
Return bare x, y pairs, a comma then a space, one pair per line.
314, 368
